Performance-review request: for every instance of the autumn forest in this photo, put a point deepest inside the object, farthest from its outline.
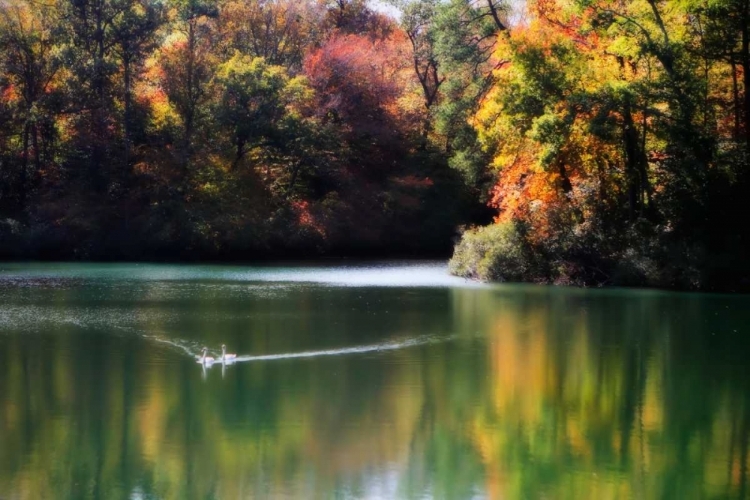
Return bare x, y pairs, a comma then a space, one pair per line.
586, 142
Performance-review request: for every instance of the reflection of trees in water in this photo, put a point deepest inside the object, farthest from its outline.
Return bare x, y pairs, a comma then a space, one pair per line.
564, 393
612, 394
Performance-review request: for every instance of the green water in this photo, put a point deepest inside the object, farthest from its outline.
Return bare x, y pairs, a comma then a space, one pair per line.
376, 381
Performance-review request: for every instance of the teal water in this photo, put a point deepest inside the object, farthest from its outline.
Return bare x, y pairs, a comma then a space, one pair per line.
388, 380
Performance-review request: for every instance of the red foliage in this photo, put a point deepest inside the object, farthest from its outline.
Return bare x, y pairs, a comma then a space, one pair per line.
358, 82
569, 26
412, 181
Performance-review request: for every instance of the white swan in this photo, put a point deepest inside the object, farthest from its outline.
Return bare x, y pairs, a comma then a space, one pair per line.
227, 358
206, 360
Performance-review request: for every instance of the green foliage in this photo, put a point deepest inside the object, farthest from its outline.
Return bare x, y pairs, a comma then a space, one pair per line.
190, 10
252, 99
492, 253
459, 37
613, 128
609, 138
193, 129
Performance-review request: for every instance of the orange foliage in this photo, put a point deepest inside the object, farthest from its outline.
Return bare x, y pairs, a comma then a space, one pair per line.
537, 179
9, 94
520, 189
306, 218
525, 193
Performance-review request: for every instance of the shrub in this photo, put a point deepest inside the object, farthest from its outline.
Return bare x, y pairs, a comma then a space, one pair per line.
497, 252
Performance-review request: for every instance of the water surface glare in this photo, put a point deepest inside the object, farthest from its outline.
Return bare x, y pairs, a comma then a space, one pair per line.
386, 380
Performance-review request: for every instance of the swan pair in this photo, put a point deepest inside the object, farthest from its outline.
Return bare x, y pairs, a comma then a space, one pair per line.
225, 358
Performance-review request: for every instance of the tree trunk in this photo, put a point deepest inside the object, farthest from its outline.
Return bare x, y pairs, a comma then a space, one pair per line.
35, 145
736, 99
426, 126
187, 140
643, 170
126, 123
239, 154
632, 159
190, 111
295, 173
745, 60
495, 17
565, 184
99, 118
24, 165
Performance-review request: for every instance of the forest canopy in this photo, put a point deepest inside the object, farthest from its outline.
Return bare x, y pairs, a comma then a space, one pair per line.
579, 141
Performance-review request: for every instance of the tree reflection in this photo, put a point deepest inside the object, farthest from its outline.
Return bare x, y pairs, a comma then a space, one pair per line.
544, 393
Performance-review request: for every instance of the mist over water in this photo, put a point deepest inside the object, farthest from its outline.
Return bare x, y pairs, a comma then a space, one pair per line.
392, 380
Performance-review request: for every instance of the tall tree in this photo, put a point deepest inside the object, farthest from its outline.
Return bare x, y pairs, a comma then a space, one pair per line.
724, 27
28, 64
88, 46
417, 20
252, 102
134, 36
188, 66
465, 37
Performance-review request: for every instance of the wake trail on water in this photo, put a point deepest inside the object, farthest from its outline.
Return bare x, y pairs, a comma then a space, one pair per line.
187, 347
193, 349
386, 346
190, 348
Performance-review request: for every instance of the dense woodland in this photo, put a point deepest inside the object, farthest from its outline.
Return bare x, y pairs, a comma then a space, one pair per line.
572, 141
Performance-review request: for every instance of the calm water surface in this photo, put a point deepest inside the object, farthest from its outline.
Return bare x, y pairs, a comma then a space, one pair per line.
378, 381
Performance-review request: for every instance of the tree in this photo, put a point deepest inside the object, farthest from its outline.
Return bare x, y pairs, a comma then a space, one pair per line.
358, 82
465, 36
724, 31
356, 18
134, 36
87, 45
187, 66
29, 66
279, 31
417, 22
253, 101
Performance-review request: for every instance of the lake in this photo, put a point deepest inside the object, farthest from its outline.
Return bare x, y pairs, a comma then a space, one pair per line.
389, 380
